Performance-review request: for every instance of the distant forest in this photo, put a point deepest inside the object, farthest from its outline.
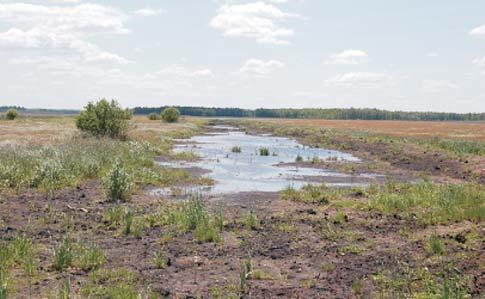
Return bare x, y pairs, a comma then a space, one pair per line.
313, 113
40, 111
350, 113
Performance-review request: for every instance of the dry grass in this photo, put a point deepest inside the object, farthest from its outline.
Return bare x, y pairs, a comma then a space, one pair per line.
41, 130
474, 131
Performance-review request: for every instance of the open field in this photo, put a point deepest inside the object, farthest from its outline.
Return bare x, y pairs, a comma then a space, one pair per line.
417, 234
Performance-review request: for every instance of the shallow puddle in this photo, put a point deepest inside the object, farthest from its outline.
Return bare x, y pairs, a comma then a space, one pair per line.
248, 170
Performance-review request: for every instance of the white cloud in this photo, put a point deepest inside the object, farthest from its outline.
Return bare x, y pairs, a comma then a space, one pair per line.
202, 73
478, 31
479, 61
348, 57
66, 28
256, 20
148, 12
360, 79
259, 67
437, 86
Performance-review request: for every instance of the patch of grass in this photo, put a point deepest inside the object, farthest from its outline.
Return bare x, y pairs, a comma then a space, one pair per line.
251, 221
119, 283
264, 151
63, 255
435, 245
88, 257
236, 149
320, 194
339, 218
193, 216
160, 261
430, 203
118, 183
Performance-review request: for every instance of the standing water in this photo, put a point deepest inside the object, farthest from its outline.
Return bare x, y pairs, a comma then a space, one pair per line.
237, 162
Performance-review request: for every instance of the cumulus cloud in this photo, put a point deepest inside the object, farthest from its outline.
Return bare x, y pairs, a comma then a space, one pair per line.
478, 31
257, 20
65, 28
360, 79
348, 57
202, 73
259, 67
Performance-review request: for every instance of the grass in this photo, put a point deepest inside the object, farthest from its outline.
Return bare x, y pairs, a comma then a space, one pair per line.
264, 151
430, 203
251, 221
435, 245
56, 163
236, 149
78, 255
118, 283
193, 216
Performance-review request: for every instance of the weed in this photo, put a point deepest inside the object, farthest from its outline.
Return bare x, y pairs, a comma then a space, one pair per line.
118, 183
264, 151
236, 149
119, 283
63, 255
114, 216
89, 258
251, 221
160, 261
431, 204
128, 221
339, 218
435, 245
299, 159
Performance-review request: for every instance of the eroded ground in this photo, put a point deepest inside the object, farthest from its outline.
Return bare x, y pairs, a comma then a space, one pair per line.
317, 243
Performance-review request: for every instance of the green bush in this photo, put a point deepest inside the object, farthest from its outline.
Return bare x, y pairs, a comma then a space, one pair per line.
104, 118
153, 116
117, 183
170, 115
11, 114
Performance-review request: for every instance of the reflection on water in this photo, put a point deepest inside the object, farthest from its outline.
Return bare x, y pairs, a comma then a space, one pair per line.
249, 171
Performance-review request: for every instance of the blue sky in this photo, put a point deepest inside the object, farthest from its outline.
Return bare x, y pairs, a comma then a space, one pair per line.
398, 55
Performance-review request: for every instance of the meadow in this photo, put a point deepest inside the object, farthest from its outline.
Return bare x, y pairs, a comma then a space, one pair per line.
78, 220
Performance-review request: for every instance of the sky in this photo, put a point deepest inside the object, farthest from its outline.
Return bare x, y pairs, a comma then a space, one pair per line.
410, 55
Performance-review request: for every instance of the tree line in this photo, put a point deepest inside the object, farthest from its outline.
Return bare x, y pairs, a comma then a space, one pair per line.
316, 113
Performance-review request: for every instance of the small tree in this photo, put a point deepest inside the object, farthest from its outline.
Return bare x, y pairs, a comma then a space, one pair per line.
11, 114
170, 115
153, 116
104, 118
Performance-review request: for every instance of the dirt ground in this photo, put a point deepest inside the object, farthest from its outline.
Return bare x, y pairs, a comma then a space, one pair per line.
298, 250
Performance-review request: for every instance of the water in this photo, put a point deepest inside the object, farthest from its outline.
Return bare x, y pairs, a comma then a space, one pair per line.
249, 171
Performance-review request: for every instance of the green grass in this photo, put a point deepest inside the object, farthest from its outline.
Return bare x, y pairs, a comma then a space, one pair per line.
264, 151
193, 216
435, 245
53, 167
430, 203
119, 284
251, 221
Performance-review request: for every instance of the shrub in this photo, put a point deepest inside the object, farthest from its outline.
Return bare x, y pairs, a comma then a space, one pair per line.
299, 159
236, 149
117, 183
170, 115
104, 118
11, 114
153, 116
